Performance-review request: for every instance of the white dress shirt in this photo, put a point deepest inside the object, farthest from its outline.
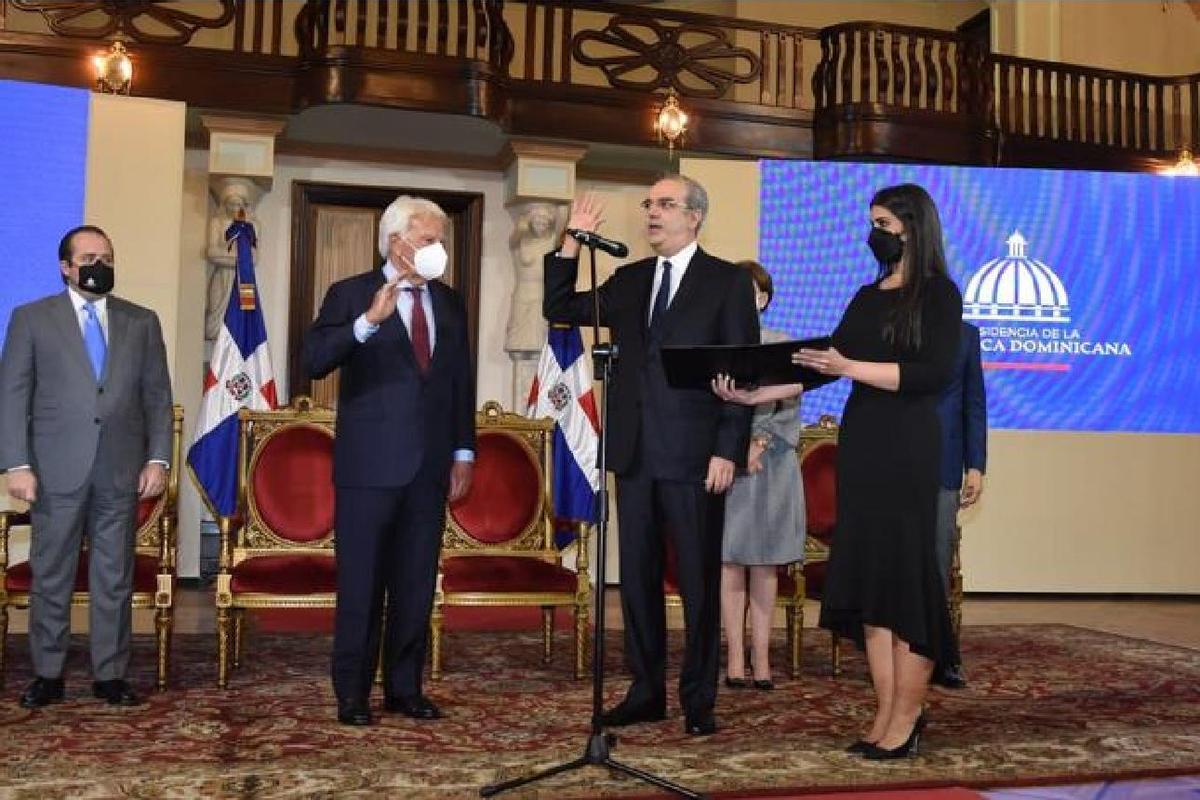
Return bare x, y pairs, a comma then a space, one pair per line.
679, 265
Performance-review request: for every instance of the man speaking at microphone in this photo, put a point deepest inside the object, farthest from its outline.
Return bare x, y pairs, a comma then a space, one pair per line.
674, 451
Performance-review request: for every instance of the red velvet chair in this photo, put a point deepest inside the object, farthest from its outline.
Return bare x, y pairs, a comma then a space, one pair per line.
818, 471
153, 567
498, 548
277, 551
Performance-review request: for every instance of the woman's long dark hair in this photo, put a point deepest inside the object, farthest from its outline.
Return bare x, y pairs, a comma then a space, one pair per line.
924, 255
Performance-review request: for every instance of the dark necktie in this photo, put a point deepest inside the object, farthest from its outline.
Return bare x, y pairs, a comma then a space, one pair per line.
663, 298
419, 332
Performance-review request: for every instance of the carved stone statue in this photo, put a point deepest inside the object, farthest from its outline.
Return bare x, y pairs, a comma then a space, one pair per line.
534, 235
236, 199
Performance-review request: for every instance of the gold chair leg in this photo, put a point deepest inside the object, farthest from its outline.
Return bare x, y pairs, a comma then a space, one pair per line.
582, 649
547, 633
239, 633
223, 648
836, 654
163, 625
435, 643
3, 643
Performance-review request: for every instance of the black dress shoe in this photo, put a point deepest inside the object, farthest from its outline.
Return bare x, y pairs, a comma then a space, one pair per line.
701, 724
860, 747
416, 706
42, 692
764, 686
950, 677
116, 693
354, 714
909, 748
736, 683
626, 713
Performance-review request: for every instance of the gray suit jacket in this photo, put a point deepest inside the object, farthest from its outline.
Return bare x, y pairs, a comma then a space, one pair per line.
56, 417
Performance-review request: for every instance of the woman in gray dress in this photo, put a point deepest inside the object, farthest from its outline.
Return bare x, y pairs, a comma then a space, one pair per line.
764, 513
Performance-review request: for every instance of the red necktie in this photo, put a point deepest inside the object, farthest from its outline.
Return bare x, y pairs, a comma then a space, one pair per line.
419, 332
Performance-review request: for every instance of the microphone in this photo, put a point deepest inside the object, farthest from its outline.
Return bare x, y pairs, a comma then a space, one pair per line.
592, 239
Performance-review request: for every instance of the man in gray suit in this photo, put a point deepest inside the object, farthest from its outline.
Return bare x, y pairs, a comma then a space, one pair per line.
85, 432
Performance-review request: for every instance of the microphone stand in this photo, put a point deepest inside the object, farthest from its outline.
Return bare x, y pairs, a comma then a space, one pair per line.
599, 743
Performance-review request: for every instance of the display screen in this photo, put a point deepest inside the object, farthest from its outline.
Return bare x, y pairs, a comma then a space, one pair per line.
1084, 285
43, 172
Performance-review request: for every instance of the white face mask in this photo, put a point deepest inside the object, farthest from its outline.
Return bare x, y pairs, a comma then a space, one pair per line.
430, 261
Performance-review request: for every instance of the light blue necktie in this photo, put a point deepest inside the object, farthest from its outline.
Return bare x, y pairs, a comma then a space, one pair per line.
93, 339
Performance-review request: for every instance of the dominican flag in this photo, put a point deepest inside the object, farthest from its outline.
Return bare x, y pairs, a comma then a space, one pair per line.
562, 389
239, 375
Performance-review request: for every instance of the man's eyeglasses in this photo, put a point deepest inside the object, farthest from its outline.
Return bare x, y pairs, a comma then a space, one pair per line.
91, 262
663, 203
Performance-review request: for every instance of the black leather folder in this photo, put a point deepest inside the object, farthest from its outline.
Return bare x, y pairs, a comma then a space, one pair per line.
749, 365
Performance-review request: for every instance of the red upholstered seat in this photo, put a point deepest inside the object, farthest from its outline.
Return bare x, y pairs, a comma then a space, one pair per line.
279, 540
505, 491
819, 473
145, 575
294, 574
506, 574
292, 483
146, 507
155, 534
498, 546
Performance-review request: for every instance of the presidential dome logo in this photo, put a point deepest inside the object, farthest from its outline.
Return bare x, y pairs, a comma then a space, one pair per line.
1021, 307
1016, 288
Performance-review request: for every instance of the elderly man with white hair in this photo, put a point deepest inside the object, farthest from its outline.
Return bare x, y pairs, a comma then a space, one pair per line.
404, 446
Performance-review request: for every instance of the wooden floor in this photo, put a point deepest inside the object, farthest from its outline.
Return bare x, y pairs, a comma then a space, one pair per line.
1170, 621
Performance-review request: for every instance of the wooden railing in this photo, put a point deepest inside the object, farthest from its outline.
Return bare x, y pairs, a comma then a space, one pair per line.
465, 29
1068, 103
595, 43
529, 57
900, 67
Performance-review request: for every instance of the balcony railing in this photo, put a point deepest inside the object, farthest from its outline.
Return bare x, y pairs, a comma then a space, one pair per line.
593, 69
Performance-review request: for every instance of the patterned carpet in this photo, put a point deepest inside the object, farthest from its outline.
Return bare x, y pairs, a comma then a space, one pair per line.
1045, 703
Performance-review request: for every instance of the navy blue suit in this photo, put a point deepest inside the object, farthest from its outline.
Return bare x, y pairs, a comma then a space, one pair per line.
963, 412
396, 435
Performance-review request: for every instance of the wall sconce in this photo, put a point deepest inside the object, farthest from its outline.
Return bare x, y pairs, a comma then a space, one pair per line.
114, 70
671, 121
1186, 165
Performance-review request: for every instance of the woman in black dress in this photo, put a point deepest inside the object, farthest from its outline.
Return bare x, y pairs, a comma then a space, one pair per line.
896, 341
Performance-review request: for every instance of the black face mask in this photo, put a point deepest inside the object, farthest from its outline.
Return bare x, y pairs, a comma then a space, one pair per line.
885, 245
97, 278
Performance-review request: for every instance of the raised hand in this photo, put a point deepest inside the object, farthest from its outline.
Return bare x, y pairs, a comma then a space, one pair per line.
383, 304
587, 214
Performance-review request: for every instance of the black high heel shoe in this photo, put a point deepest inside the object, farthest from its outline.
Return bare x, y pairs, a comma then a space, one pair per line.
876, 753
736, 683
764, 686
860, 747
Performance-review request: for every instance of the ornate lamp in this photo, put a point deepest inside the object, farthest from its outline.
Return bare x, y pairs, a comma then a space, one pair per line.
1186, 165
114, 69
671, 121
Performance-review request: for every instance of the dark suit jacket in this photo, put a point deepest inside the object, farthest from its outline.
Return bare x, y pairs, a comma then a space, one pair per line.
963, 412
683, 428
56, 417
390, 421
